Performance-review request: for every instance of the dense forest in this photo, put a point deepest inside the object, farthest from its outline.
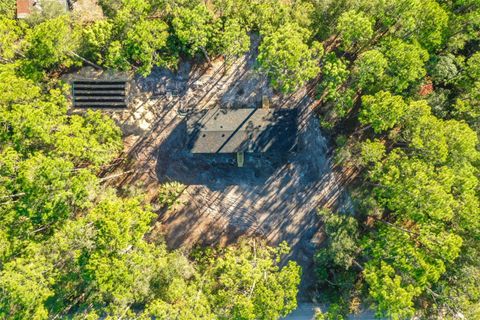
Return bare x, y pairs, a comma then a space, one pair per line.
398, 90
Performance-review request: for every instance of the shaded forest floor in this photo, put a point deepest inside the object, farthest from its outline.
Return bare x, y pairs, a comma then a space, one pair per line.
272, 197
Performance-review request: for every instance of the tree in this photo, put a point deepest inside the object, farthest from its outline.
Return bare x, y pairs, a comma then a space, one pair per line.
25, 287
125, 11
10, 34
143, 41
458, 290
411, 20
334, 75
424, 132
50, 9
34, 123
336, 263
382, 111
169, 193
431, 21
268, 15
369, 70
472, 70
49, 191
466, 106
287, 59
7, 9
96, 39
445, 69
104, 265
193, 27
416, 205
48, 159
341, 247
354, 28
419, 201
49, 45
115, 57
245, 282
394, 300
405, 64
233, 40
372, 152
14, 89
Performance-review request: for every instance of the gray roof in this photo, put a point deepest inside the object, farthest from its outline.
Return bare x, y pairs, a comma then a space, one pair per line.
242, 130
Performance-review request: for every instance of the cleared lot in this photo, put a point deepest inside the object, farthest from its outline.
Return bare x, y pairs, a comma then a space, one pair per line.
274, 196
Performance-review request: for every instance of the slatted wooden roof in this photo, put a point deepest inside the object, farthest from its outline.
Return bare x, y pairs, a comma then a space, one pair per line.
99, 93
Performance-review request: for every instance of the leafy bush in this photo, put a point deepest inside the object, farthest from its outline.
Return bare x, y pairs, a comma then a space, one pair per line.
169, 193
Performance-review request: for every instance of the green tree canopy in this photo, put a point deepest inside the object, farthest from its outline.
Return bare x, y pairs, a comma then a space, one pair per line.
382, 111
245, 281
354, 28
370, 69
420, 196
406, 64
10, 34
287, 59
233, 39
334, 75
194, 28
143, 41
49, 45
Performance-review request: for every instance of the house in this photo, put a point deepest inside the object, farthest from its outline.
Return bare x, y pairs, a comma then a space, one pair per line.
26, 7
249, 130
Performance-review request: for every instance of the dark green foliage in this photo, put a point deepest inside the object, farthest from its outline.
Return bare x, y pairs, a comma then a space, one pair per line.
336, 264
341, 246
